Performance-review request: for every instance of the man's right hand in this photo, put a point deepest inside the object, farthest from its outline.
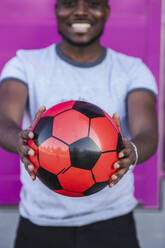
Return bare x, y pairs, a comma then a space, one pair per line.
23, 149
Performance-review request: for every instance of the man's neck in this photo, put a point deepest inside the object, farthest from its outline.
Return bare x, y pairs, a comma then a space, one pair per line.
82, 54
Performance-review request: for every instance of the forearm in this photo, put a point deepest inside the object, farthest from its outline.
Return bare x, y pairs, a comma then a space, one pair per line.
9, 131
142, 121
146, 143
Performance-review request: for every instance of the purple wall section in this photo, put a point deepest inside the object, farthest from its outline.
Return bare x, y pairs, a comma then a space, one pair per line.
134, 29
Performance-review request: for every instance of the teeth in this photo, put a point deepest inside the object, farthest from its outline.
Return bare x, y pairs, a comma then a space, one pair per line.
81, 25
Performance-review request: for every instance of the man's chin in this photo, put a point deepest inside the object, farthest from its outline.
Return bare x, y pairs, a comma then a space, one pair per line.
81, 42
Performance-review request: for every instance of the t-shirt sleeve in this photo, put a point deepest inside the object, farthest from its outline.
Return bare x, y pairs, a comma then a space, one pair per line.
14, 71
141, 78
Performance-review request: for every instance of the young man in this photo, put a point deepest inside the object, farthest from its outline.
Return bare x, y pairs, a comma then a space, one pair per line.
79, 68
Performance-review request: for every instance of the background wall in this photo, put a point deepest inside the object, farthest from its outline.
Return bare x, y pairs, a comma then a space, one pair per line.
163, 83
30, 24
134, 28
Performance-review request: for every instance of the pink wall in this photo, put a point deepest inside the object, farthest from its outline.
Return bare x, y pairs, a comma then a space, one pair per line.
134, 28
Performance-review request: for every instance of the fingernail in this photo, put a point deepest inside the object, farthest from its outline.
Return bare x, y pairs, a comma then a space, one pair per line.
113, 177
31, 152
31, 167
31, 135
116, 166
117, 115
121, 155
43, 107
33, 178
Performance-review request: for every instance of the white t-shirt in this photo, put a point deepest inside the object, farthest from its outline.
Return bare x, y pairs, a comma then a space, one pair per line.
52, 78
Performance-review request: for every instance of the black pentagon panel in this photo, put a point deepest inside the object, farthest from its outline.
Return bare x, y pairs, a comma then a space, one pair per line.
43, 130
49, 179
84, 153
120, 145
95, 188
88, 109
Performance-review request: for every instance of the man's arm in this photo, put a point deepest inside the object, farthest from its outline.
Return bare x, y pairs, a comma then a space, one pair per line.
142, 121
13, 99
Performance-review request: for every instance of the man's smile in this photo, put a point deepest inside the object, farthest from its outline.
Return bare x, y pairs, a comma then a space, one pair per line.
81, 27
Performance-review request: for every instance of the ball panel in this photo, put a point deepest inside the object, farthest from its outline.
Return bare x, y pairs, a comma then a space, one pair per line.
76, 180
55, 110
54, 155
33, 159
104, 134
88, 109
103, 169
95, 188
69, 193
49, 179
112, 121
43, 130
70, 126
84, 153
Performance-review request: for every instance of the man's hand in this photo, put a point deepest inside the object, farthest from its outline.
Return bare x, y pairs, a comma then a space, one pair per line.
23, 149
127, 156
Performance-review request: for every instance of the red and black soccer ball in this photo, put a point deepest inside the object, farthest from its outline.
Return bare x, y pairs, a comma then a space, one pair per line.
76, 144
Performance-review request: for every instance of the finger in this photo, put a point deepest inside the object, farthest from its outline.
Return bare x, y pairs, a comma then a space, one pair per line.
116, 165
41, 110
31, 171
26, 162
124, 153
117, 176
120, 173
126, 142
29, 167
25, 150
26, 134
116, 119
24, 141
122, 163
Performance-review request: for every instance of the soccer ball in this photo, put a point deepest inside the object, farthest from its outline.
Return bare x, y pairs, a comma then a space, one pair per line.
76, 144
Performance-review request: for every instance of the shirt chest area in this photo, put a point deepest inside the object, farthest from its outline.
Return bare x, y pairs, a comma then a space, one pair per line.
97, 87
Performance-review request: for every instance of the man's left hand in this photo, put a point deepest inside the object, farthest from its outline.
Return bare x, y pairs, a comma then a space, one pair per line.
127, 156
